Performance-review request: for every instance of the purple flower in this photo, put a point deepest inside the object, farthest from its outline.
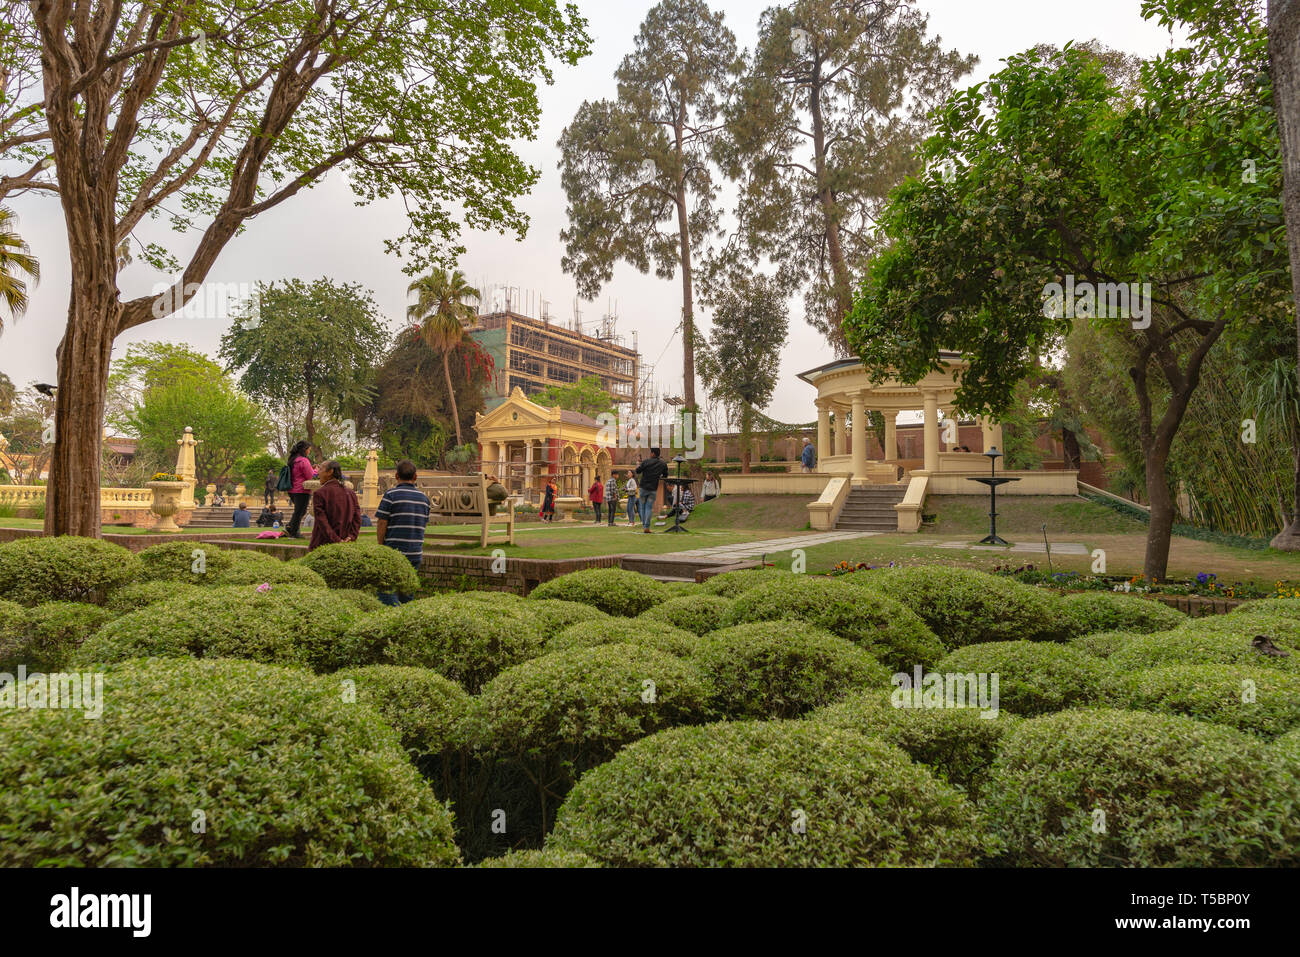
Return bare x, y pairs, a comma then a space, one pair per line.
264, 587
1202, 578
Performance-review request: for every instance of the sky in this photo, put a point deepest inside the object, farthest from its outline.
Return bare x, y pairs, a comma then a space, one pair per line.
323, 233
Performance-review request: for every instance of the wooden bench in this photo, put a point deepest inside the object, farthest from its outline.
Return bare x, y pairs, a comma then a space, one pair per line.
465, 497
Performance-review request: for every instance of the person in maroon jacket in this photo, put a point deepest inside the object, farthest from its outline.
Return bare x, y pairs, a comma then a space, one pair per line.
337, 512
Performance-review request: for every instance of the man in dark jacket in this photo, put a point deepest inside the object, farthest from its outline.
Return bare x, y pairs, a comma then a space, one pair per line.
649, 473
336, 509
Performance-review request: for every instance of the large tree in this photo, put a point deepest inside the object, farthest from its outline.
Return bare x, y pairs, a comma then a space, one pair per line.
586, 395
147, 366
637, 170
314, 343
441, 310
825, 122
214, 113
1061, 183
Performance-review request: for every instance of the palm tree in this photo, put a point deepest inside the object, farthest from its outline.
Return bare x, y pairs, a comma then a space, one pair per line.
441, 311
15, 258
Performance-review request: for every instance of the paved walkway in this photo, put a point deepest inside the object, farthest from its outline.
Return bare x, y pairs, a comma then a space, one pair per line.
773, 546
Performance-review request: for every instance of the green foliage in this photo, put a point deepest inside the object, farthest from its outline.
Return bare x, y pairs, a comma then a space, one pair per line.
889, 631
734, 584
1101, 644
1277, 607
553, 616
288, 625
252, 470
148, 366
782, 669
539, 858
586, 396
1090, 612
13, 617
65, 568
308, 780
1262, 701
1220, 640
363, 566
965, 607
612, 590
696, 613
730, 795
255, 568
362, 601
183, 562
1174, 792
422, 706
642, 632
1034, 677
957, 744
48, 636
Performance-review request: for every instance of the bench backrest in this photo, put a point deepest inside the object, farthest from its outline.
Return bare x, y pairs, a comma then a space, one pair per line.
456, 494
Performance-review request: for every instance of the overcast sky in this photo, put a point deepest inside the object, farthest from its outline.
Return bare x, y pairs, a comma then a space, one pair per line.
322, 233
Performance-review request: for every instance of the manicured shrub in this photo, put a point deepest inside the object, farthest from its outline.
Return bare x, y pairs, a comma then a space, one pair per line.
421, 705
284, 772
698, 614
782, 669
553, 616
539, 858
612, 590
735, 584
13, 617
256, 568
139, 595
1134, 789
1101, 644
287, 624
364, 566
1281, 607
643, 633
49, 634
680, 589
1033, 677
189, 562
1263, 701
765, 794
1287, 748
1220, 640
893, 634
37, 570
1094, 611
454, 637
965, 607
957, 744
362, 601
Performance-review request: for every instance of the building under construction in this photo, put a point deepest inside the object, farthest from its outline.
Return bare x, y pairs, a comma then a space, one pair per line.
533, 354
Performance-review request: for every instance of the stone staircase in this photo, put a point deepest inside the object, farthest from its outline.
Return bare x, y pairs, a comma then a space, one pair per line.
211, 517
870, 508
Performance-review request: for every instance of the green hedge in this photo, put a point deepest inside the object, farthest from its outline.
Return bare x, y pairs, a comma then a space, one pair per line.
214, 763
735, 584
1220, 640
1101, 644
194, 563
658, 635
1095, 611
539, 859
363, 566
551, 616
49, 634
1175, 792
1262, 701
423, 707
139, 595
1281, 607
740, 794
256, 568
891, 633
612, 590
287, 625
965, 607
782, 669
1034, 677
13, 617
37, 570
957, 744
362, 601
698, 614
453, 636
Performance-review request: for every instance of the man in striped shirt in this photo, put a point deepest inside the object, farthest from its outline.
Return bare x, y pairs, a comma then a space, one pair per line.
400, 521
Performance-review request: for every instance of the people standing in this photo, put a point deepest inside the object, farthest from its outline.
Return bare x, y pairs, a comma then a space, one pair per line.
401, 520
597, 495
335, 508
709, 489
611, 497
809, 457
548, 503
631, 491
268, 492
650, 472
300, 471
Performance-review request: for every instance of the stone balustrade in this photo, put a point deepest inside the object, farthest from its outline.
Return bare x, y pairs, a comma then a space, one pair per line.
30, 496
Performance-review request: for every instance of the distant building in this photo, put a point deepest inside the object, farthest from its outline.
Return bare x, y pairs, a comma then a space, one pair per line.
532, 354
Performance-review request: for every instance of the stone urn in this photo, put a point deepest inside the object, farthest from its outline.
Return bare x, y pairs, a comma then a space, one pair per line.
166, 503
311, 485
240, 491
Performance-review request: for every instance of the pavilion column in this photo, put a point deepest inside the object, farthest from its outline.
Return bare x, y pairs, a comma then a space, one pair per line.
840, 433
859, 436
931, 432
823, 430
891, 436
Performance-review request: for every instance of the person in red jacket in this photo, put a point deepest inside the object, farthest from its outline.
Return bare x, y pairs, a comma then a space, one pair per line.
337, 511
597, 495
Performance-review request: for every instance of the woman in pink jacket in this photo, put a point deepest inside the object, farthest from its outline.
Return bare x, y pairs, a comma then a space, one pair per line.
300, 470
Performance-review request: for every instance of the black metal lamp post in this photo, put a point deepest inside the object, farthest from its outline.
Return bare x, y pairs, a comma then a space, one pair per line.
993, 481
678, 483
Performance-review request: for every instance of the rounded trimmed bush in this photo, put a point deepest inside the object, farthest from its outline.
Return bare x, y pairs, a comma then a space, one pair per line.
1262, 701
362, 601
288, 625
765, 794
189, 562
139, 595
1281, 607
553, 616
1172, 791
50, 634
1096, 611
255, 568
1101, 644
782, 669
1221, 640
958, 744
64, 568
658, 635
890, 632
286, 773
363, 566
1033, 677
421, 705
612, 590
453, 636
735, 584
966, 607
1287, 747
698, 614
539, 858
13, 617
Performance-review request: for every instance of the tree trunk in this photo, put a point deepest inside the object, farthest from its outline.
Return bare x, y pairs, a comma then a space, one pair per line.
688, 283
451, 395
1156, 563
1070, 451
841, 287
309, 420
746, 439
1284, 67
